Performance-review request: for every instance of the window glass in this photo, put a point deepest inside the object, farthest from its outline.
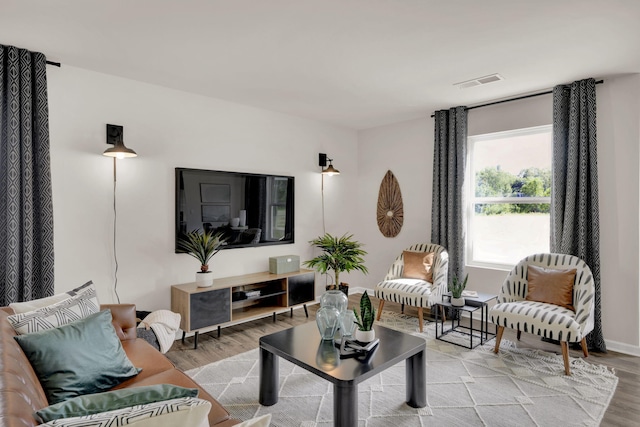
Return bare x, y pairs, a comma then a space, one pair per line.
509, 196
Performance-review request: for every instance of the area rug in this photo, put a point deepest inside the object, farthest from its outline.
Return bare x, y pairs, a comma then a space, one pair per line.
518, 387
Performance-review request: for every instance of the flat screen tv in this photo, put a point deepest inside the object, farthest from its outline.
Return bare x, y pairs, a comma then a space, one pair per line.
248, 209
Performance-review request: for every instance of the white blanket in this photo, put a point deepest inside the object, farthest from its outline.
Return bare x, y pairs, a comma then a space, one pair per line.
164, 324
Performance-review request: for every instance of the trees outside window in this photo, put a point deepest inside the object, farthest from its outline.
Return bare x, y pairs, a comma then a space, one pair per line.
509, 196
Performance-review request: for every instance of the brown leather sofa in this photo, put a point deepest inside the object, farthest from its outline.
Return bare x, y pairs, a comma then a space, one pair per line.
21, 393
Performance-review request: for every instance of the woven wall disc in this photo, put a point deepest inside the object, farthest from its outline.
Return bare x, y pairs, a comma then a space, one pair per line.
390, 213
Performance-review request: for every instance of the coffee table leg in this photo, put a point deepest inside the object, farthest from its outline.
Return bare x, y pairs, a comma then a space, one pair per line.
416, 381
345, 405
269, 371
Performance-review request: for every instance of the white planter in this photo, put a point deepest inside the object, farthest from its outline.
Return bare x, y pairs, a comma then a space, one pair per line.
457, 302
204, 280
365, 336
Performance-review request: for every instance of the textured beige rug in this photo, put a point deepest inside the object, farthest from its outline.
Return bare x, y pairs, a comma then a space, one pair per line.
464, 388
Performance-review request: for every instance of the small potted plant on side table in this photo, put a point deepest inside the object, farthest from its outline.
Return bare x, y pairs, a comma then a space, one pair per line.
364, 320
456, 287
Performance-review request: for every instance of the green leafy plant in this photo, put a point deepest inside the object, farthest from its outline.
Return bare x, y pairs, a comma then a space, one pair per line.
364, 320
456, 286
339, 254
201, 246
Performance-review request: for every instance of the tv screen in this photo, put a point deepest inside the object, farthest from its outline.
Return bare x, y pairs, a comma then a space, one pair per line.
248, 209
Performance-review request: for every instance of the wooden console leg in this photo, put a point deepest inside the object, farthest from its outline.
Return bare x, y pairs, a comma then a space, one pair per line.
498, 338
218, 331
380, 309
565, 356
306, 313
195, 341
183, 334
291, 312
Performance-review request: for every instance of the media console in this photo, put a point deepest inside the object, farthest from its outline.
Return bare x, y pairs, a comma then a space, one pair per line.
240, 298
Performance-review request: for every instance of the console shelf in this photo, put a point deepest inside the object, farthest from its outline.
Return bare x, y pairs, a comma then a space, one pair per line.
240, 298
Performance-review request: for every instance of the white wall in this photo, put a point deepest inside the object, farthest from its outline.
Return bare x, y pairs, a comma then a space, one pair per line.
406, 148
171, 129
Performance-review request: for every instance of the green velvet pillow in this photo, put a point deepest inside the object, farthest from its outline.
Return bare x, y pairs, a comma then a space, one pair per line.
112, 400
82, 357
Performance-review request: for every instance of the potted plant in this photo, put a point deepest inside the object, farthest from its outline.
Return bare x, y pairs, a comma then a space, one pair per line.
364, 320
339, 254
202, 246
456, 287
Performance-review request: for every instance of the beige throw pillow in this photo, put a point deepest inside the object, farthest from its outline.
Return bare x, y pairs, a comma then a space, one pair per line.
418, 265
551, 286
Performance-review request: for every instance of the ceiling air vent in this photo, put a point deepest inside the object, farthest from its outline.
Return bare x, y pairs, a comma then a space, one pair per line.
479, 81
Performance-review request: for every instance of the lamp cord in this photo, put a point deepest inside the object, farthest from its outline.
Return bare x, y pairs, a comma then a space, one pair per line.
115, 222
322, 193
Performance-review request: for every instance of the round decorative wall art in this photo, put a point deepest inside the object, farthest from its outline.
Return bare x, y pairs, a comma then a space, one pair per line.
390, 213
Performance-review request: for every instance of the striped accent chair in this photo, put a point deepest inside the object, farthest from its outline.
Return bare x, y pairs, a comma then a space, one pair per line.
547, 320
415, 292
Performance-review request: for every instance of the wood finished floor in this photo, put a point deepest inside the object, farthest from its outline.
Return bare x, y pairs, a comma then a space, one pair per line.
624, 409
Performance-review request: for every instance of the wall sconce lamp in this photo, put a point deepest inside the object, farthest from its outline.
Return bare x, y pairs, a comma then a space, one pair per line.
330, 170
119, 150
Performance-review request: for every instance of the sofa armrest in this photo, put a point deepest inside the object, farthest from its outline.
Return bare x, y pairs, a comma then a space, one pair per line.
124, 320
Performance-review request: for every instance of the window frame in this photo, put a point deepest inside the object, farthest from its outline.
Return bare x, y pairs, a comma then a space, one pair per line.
472, 200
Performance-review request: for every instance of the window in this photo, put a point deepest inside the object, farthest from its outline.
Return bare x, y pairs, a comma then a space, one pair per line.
277, 207
509, 196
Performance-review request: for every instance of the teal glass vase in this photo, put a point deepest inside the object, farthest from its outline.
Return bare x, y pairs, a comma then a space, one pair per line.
328, 320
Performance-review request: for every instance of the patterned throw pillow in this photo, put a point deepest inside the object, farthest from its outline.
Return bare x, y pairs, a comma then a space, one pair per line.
53, 316
187, 411
25, 307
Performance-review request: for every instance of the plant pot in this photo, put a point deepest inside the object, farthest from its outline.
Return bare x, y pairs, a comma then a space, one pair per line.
457, 302
204, 279
365, 336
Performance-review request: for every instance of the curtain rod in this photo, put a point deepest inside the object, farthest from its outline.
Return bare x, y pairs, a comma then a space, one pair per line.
515, 99
55, 64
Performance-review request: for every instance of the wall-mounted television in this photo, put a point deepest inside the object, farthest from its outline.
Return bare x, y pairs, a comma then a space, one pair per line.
248, 209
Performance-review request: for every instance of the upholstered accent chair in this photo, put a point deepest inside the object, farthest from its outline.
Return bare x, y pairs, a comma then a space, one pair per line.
525, 305
403, 287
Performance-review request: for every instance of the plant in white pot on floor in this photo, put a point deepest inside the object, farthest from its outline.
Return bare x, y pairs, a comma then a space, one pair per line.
338, 254
364, 320
456, 287
202, 246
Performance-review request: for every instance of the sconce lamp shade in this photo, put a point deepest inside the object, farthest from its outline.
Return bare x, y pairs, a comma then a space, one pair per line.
119, 150
329, 170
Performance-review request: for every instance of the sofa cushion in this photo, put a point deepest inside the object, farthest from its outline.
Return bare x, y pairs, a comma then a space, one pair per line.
79, 358
187, 411
24, 307
217, 415
418, 265
61, 313
89, 404
552, 286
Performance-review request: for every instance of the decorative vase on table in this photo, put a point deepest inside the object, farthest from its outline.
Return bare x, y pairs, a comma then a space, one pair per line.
336, 299
348, 324
328, 320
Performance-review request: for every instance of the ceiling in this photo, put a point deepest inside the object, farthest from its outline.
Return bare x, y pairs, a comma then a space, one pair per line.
352, 63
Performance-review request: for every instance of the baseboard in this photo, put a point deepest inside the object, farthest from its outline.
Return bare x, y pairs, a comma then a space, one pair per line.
621, 347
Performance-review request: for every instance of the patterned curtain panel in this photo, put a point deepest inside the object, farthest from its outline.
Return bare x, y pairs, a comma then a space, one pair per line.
26, 211
447, 208
575, 226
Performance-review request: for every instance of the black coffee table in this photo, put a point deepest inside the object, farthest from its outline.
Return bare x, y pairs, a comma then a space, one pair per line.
302, 346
